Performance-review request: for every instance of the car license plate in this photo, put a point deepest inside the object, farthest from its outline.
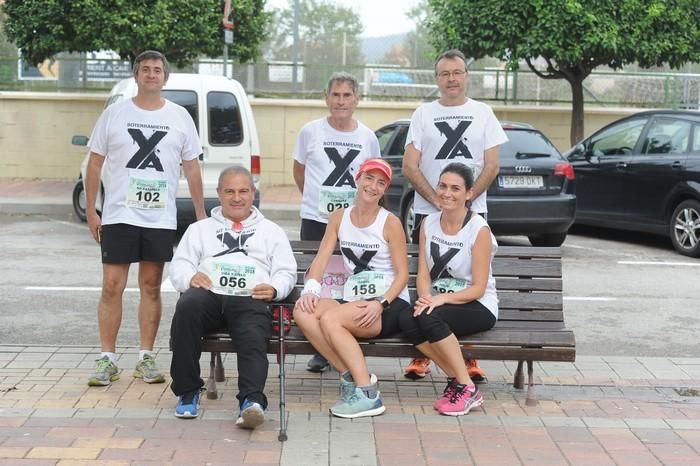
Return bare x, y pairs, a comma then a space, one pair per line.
520, 181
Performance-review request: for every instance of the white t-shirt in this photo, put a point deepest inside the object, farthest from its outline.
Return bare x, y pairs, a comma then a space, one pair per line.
331, 159
450, 256
366, 249
143, 150
444, 135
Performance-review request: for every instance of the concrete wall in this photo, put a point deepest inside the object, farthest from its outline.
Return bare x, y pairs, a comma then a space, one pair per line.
36, 129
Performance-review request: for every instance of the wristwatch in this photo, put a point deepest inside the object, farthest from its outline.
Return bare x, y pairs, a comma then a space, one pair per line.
383, 301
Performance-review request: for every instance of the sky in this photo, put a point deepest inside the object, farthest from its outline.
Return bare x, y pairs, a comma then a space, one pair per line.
379, 17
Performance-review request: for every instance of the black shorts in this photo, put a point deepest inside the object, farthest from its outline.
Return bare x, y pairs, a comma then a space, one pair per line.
390, 317
125, 244
311, 230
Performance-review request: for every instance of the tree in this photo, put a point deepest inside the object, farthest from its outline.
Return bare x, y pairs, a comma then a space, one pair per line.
182, 29
416, 44
325, 31
572, 37
8, 56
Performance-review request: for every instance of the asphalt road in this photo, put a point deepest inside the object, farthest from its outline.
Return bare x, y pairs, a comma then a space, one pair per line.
625, 294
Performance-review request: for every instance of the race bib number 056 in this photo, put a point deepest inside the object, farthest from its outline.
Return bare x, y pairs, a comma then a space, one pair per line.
147, 194
364, 285
448, 285
233, 279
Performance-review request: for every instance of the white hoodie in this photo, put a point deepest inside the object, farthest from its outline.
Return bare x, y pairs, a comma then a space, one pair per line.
261, 243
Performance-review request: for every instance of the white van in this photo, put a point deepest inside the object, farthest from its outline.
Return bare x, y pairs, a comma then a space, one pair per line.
224, 119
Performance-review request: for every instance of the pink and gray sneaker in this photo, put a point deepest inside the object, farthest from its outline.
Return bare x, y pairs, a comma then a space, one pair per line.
460, 400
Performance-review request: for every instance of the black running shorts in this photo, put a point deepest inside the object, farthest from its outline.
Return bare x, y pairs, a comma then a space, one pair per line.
125, 244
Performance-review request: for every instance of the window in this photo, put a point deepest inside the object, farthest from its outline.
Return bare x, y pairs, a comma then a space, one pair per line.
667, 136
696, 139
526, 144
224, 119
186, 99
619, 139
384, 136
399, 145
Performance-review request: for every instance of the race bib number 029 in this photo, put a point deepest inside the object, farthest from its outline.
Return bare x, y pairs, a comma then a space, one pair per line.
363, 285
147, 194
233, 279
332, 198
448, 285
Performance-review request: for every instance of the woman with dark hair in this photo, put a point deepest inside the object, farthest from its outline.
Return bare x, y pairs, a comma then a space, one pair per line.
456, 289
373, 247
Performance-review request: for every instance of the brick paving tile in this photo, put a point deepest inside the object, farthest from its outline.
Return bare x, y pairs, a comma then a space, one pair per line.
108, 442
145, 454
618, 439
399, 446
447, 455
401, 460
491, 454
13, 451
193, 452
39, 441
261, 457
441, 438
634, 458
63, 453
80, 432
27, 462
585, 454
691, 437
571, 434
12, 421
664, 436
675, 454
91, 463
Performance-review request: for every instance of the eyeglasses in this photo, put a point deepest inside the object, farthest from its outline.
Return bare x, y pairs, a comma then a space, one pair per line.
457, 74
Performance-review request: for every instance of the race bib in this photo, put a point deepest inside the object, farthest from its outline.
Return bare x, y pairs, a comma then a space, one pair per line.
332, 198
233, 279
448, 285
363, 285
145, 193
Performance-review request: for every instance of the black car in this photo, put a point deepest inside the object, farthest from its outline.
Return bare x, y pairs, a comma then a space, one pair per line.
533, 194
642, 173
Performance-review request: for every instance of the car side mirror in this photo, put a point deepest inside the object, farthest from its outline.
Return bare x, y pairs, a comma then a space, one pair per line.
578, 152
78, 140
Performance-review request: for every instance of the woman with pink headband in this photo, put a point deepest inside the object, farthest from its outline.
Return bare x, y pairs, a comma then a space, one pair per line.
373, 247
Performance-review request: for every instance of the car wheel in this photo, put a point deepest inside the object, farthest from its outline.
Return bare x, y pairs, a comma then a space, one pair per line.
547, 239
685, 228
409, 218
79, 201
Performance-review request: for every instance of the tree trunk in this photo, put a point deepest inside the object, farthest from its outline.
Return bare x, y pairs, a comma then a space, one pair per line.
576, 133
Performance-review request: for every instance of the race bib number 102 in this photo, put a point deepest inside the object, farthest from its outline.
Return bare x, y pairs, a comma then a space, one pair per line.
147, 194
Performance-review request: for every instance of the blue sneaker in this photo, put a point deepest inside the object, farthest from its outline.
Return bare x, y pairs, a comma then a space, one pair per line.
251, 416
347, 388
358, 405
188, 405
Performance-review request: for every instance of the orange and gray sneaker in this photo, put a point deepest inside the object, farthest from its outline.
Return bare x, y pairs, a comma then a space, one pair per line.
418, 368
476, 373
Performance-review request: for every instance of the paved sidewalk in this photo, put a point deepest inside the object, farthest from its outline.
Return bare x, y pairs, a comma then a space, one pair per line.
598, 411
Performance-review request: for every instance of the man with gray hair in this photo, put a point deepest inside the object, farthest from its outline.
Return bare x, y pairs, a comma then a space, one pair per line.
327, 154
229, 267
139, 146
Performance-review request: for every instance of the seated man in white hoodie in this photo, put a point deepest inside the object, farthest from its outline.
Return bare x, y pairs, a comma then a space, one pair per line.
229, 267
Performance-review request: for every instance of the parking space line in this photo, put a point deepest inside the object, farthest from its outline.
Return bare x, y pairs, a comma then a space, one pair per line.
671, 264
588, 298
85, 288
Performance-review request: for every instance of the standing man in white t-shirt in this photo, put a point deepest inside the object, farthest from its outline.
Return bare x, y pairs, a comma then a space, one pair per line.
453, 128
141, 143
327, 154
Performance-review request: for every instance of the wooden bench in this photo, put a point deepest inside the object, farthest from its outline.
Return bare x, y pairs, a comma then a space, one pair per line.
530, 325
